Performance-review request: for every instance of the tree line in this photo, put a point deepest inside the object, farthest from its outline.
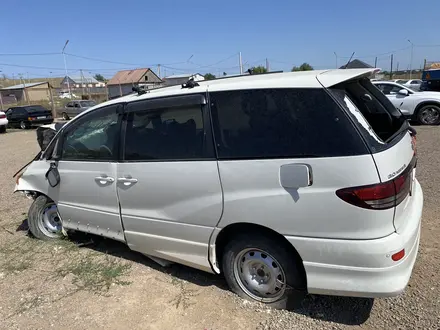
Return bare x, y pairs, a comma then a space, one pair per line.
262, 69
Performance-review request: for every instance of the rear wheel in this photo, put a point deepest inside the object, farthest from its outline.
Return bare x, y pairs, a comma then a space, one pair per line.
65, 116
262, 269
3, 129
429, 115
24, 125
44, 220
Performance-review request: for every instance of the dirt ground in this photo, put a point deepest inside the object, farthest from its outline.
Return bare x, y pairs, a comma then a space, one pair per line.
102, 284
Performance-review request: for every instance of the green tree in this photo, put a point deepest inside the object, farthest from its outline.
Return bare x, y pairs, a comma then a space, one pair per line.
209, 76
258, 69
303, 67
100, 77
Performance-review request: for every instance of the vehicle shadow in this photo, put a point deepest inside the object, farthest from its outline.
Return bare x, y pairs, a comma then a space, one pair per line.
342, 310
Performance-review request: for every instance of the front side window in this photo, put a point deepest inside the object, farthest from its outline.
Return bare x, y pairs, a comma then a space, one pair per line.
94, 138
281, 123
174, 133
390, 89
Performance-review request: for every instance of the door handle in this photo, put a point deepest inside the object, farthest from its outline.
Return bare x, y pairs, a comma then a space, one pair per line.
127, 180
104, 179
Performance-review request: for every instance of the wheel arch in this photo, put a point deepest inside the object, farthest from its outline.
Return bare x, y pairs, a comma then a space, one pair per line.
227, 233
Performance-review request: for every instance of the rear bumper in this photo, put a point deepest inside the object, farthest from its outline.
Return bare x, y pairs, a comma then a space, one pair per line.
3, 122
362, 268
40, 122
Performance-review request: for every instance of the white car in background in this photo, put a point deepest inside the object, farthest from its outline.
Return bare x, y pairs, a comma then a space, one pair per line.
3, 122
423, 107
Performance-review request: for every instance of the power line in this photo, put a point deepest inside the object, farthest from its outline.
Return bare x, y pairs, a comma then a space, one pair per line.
211, 65
378, 55
29, 54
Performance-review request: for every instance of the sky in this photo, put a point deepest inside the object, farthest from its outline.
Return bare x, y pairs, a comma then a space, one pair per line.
207, 36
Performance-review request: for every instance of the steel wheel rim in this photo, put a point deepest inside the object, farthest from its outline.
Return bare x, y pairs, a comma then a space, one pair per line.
49, 221
430, 116
259, 275
65, 117
22, 125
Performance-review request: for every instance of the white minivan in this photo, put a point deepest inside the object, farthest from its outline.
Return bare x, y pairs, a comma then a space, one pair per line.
278, 181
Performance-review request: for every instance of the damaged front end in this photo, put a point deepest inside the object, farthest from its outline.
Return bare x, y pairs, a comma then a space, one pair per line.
32, 178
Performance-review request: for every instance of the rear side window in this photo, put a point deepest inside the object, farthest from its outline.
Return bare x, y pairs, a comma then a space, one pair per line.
174, 133
281, 123
375, 116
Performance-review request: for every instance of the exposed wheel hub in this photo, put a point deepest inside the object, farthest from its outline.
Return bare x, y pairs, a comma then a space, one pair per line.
259, 275
50, 222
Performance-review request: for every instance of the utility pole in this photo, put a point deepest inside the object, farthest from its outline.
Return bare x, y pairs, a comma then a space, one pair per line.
397, 68
375, 62
82, 81
240, 63
65, 68
336, 56
424, 64
267, 65
23, 81
391, 71
158, 70
410, 61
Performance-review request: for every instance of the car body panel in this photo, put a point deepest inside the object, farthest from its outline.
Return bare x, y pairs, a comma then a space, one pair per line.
3, 121
299, 212
171, 210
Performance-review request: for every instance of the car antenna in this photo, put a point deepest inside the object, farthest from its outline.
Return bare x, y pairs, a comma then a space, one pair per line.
345, 67
190, 83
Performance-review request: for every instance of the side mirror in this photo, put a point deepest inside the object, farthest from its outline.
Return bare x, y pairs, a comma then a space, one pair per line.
403, 92
53, 176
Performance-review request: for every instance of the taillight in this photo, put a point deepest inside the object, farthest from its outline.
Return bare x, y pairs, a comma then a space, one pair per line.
379, 196
2, 116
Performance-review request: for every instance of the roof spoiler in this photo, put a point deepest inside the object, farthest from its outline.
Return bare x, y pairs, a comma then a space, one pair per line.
334, 77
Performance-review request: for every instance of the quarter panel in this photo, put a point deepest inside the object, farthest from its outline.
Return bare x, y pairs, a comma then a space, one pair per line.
253, 193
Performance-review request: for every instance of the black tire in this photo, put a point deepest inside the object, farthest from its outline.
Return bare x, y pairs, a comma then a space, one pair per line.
3, 129
24, 125
429, 118
37, 226
293, 271
65, 116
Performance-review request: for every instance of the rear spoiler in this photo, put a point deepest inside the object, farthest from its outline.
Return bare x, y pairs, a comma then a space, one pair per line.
334, 77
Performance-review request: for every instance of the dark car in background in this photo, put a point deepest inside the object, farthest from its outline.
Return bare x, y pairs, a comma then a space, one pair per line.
27, 116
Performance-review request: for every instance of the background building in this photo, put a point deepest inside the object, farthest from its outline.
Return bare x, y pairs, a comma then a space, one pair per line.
123, 81
37, 91
180, 79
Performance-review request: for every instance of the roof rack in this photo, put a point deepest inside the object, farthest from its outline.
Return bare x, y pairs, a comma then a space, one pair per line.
191, 83
246, 75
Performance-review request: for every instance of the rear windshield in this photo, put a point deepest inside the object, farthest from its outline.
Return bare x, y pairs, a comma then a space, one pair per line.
375, 116
35, 108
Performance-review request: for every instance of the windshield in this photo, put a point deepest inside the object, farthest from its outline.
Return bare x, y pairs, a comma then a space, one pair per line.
87, 104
